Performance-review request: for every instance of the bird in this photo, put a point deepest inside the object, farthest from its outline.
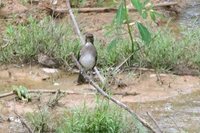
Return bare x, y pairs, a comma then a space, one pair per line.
87, 57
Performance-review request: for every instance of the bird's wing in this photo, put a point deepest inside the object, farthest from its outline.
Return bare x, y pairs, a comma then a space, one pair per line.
80, 52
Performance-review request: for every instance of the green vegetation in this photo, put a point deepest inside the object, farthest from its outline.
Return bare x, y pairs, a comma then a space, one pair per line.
165, 51
103, 118
22, 93
24, 43
160, 50
41, 121
122, 17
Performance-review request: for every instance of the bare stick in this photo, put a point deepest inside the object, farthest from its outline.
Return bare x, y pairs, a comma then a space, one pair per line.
7, 94
103, 93
24, 123
118, 67
54, 91
102, 79
74, 21
139, 68
108, 9
155, 122
68, 93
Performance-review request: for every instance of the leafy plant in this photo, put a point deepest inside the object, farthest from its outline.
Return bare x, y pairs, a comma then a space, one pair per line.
22, 93
123, 17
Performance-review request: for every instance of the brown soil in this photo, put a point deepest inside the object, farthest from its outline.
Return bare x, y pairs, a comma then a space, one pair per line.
145, 84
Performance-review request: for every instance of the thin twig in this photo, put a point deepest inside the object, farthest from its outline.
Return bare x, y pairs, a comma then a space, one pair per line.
139, 69
155, 122
103, 93
120, 65
7, 94
24, 123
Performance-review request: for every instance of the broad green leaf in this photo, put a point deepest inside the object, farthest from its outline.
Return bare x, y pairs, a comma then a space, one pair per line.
145, 34
121, 14
137, 4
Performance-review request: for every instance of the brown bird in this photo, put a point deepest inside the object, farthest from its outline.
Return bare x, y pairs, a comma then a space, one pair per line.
87, 56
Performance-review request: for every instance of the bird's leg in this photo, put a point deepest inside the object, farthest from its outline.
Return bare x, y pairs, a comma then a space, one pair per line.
81, 79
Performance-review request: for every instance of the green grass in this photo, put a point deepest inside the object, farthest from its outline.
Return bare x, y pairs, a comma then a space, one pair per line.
167, 50
163, 52
41, 121
102, 118
25, 42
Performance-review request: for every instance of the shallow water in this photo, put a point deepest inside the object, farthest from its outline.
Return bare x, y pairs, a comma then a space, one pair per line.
175, 115
190, 15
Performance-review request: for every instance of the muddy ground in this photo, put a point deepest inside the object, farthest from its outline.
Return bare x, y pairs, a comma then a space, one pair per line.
174, 103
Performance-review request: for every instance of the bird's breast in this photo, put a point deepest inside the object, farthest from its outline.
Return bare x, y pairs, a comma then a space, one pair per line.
87, 61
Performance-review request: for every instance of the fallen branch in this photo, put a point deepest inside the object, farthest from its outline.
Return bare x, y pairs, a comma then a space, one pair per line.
24, 123
138, 69
155, 122
68, 93
7, 94
103, 93
106, 9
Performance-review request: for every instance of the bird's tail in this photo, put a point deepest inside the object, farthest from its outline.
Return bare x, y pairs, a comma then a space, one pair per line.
81, 79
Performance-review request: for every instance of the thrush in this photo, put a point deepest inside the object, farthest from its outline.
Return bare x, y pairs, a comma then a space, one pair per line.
87, 56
